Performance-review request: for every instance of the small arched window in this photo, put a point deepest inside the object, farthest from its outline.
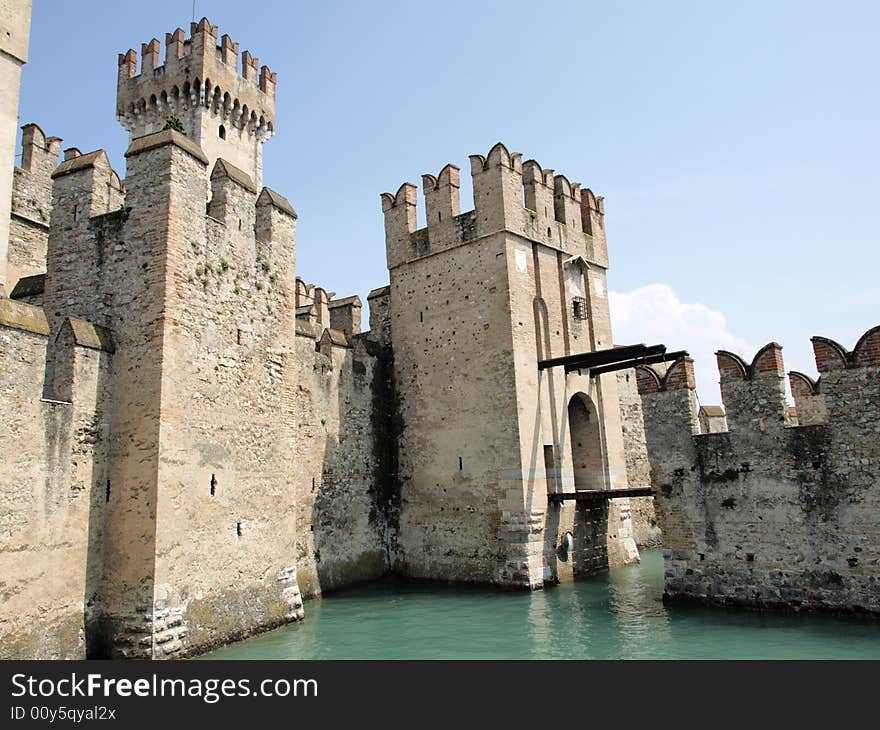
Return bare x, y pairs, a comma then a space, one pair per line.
222, 132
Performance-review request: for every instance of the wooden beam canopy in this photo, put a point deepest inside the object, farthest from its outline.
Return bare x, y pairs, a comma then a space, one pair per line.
613, 358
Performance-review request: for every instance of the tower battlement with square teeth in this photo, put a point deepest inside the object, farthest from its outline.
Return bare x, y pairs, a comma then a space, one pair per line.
227, 108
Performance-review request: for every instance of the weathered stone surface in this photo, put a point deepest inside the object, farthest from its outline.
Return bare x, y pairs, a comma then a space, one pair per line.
31, 206
198, 88
476, 300
212, 453
15, 19
646, 529
21, 316
52, 481
771, 515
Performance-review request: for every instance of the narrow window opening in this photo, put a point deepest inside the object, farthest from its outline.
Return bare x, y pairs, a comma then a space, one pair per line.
421, 316
549, 232
460, 464
702, 556
750, 557
107, 492
222, 132
75, 213
213, 484
439, 215
238, 528
239, 224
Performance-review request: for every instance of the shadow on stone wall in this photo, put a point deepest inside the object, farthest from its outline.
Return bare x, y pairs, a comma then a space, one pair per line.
356, 506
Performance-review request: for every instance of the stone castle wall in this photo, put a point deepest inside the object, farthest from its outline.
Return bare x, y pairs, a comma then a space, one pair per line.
646, 528
31, 206
233, 446
215, 446
202, 440
770, 515
54, 483
345, 519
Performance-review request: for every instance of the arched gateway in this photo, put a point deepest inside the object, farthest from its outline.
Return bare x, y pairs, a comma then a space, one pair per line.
586, 443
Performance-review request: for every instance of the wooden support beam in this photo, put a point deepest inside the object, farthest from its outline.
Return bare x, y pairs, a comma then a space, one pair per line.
597, 495
669, 357
588, 360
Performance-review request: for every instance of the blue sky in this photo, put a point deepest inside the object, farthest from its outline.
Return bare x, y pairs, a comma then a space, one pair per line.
736, 144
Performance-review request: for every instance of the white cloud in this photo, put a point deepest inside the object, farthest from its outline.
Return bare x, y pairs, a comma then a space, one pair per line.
654, 314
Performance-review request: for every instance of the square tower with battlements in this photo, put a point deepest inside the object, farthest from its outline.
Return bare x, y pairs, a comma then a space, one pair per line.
200, 90
490, 440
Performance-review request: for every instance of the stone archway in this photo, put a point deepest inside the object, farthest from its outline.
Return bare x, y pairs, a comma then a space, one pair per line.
586, 443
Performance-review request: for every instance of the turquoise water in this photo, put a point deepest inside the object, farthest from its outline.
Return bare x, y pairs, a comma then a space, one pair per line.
616, 615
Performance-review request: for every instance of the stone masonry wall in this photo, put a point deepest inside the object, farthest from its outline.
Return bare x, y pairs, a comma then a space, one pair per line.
31, 205
476, 300
638, 470
236, 451
53, 480
226, 451
769, 515
202, 446
343, 529
459, 436
15, 19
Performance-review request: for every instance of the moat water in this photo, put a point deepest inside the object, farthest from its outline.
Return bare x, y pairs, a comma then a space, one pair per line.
615, 615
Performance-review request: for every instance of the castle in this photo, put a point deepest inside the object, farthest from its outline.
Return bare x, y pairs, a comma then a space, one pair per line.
201, 439
198, 440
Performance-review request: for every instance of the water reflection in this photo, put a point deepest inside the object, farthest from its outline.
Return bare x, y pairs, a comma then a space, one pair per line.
616, 615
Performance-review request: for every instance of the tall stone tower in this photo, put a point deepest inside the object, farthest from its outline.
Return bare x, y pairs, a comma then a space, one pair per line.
191, 270
15, 25
228, 111
478, 300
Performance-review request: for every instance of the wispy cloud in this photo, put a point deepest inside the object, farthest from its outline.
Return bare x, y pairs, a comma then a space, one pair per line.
654, 314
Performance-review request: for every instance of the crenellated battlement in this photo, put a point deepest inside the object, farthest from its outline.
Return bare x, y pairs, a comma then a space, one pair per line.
772, 514
318, 311
678, 376
509, 195
227, 108
38, 152
809, 401
830, 355
754, 392
238, 94
31, 205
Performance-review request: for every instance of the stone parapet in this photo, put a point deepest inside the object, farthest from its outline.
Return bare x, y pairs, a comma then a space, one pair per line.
769, 514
